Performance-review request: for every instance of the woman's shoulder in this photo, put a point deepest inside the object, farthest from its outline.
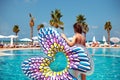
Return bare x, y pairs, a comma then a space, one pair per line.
79, 35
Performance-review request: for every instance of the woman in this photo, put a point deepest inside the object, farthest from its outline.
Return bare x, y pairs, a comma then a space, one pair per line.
78, 39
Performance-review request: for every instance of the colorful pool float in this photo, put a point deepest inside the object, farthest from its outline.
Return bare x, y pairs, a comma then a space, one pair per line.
60, 58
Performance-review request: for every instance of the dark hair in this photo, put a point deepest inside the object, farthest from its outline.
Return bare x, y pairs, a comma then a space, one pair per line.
77, 28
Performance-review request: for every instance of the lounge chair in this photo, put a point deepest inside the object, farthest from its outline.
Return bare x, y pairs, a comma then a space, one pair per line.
1, 45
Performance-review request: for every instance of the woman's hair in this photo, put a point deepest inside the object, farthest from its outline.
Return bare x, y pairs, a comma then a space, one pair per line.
77, 28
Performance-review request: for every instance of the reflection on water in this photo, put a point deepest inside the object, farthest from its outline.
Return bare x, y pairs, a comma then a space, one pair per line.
93, 51
106, 61
110, 52
104, 51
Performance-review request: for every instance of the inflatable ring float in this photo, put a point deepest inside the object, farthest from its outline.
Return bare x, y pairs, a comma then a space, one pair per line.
60, 58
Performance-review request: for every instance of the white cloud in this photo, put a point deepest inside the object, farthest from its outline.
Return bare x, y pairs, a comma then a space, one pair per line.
45, 24
5, 28
116, 33
94, 27
30, 1
27, 0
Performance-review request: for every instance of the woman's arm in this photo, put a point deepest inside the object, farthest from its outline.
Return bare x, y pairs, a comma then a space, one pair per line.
70, 43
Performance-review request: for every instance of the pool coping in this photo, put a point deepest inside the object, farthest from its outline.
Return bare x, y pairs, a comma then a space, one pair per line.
5, 49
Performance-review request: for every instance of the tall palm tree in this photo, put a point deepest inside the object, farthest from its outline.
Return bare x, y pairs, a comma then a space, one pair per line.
40, 26
81, 20
16, 30
55, 21
108, 28
31, 23
85, 28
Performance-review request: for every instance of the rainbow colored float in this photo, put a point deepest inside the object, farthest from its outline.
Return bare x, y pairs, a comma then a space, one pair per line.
61, 58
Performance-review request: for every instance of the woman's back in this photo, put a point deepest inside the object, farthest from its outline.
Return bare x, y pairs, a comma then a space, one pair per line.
80, 40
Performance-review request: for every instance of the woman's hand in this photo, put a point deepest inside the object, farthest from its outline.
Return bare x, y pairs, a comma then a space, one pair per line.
70, 43
63, 35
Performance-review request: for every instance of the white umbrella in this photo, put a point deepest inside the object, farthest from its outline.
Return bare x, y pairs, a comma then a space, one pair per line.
70, 38
26, 39
12, 36
104, 39
115, 39
1, 36
11, 39
94, 39
35, 38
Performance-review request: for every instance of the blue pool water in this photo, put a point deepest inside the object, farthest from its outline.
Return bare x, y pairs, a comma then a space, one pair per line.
61, 58
106, 61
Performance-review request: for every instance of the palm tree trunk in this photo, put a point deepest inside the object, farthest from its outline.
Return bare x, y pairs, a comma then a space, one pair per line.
108, 37
85, 35
31, 34
16, 39
85, 38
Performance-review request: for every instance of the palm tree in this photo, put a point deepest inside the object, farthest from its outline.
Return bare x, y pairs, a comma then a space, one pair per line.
31, 25
85, 28
16, 30
55, 21
40, 26
108, 28
81, 20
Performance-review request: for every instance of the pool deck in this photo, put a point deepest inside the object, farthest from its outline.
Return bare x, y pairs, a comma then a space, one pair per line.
4, 49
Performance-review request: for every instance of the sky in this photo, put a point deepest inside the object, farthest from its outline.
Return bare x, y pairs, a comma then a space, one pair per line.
96, 12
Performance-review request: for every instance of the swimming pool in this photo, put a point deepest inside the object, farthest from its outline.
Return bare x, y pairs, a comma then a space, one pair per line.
106, 60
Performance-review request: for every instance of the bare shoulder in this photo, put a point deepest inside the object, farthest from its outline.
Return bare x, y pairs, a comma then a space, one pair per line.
74, 37
79, 36
80, 39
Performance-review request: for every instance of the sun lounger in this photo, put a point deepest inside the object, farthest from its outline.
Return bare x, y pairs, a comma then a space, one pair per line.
1, 45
